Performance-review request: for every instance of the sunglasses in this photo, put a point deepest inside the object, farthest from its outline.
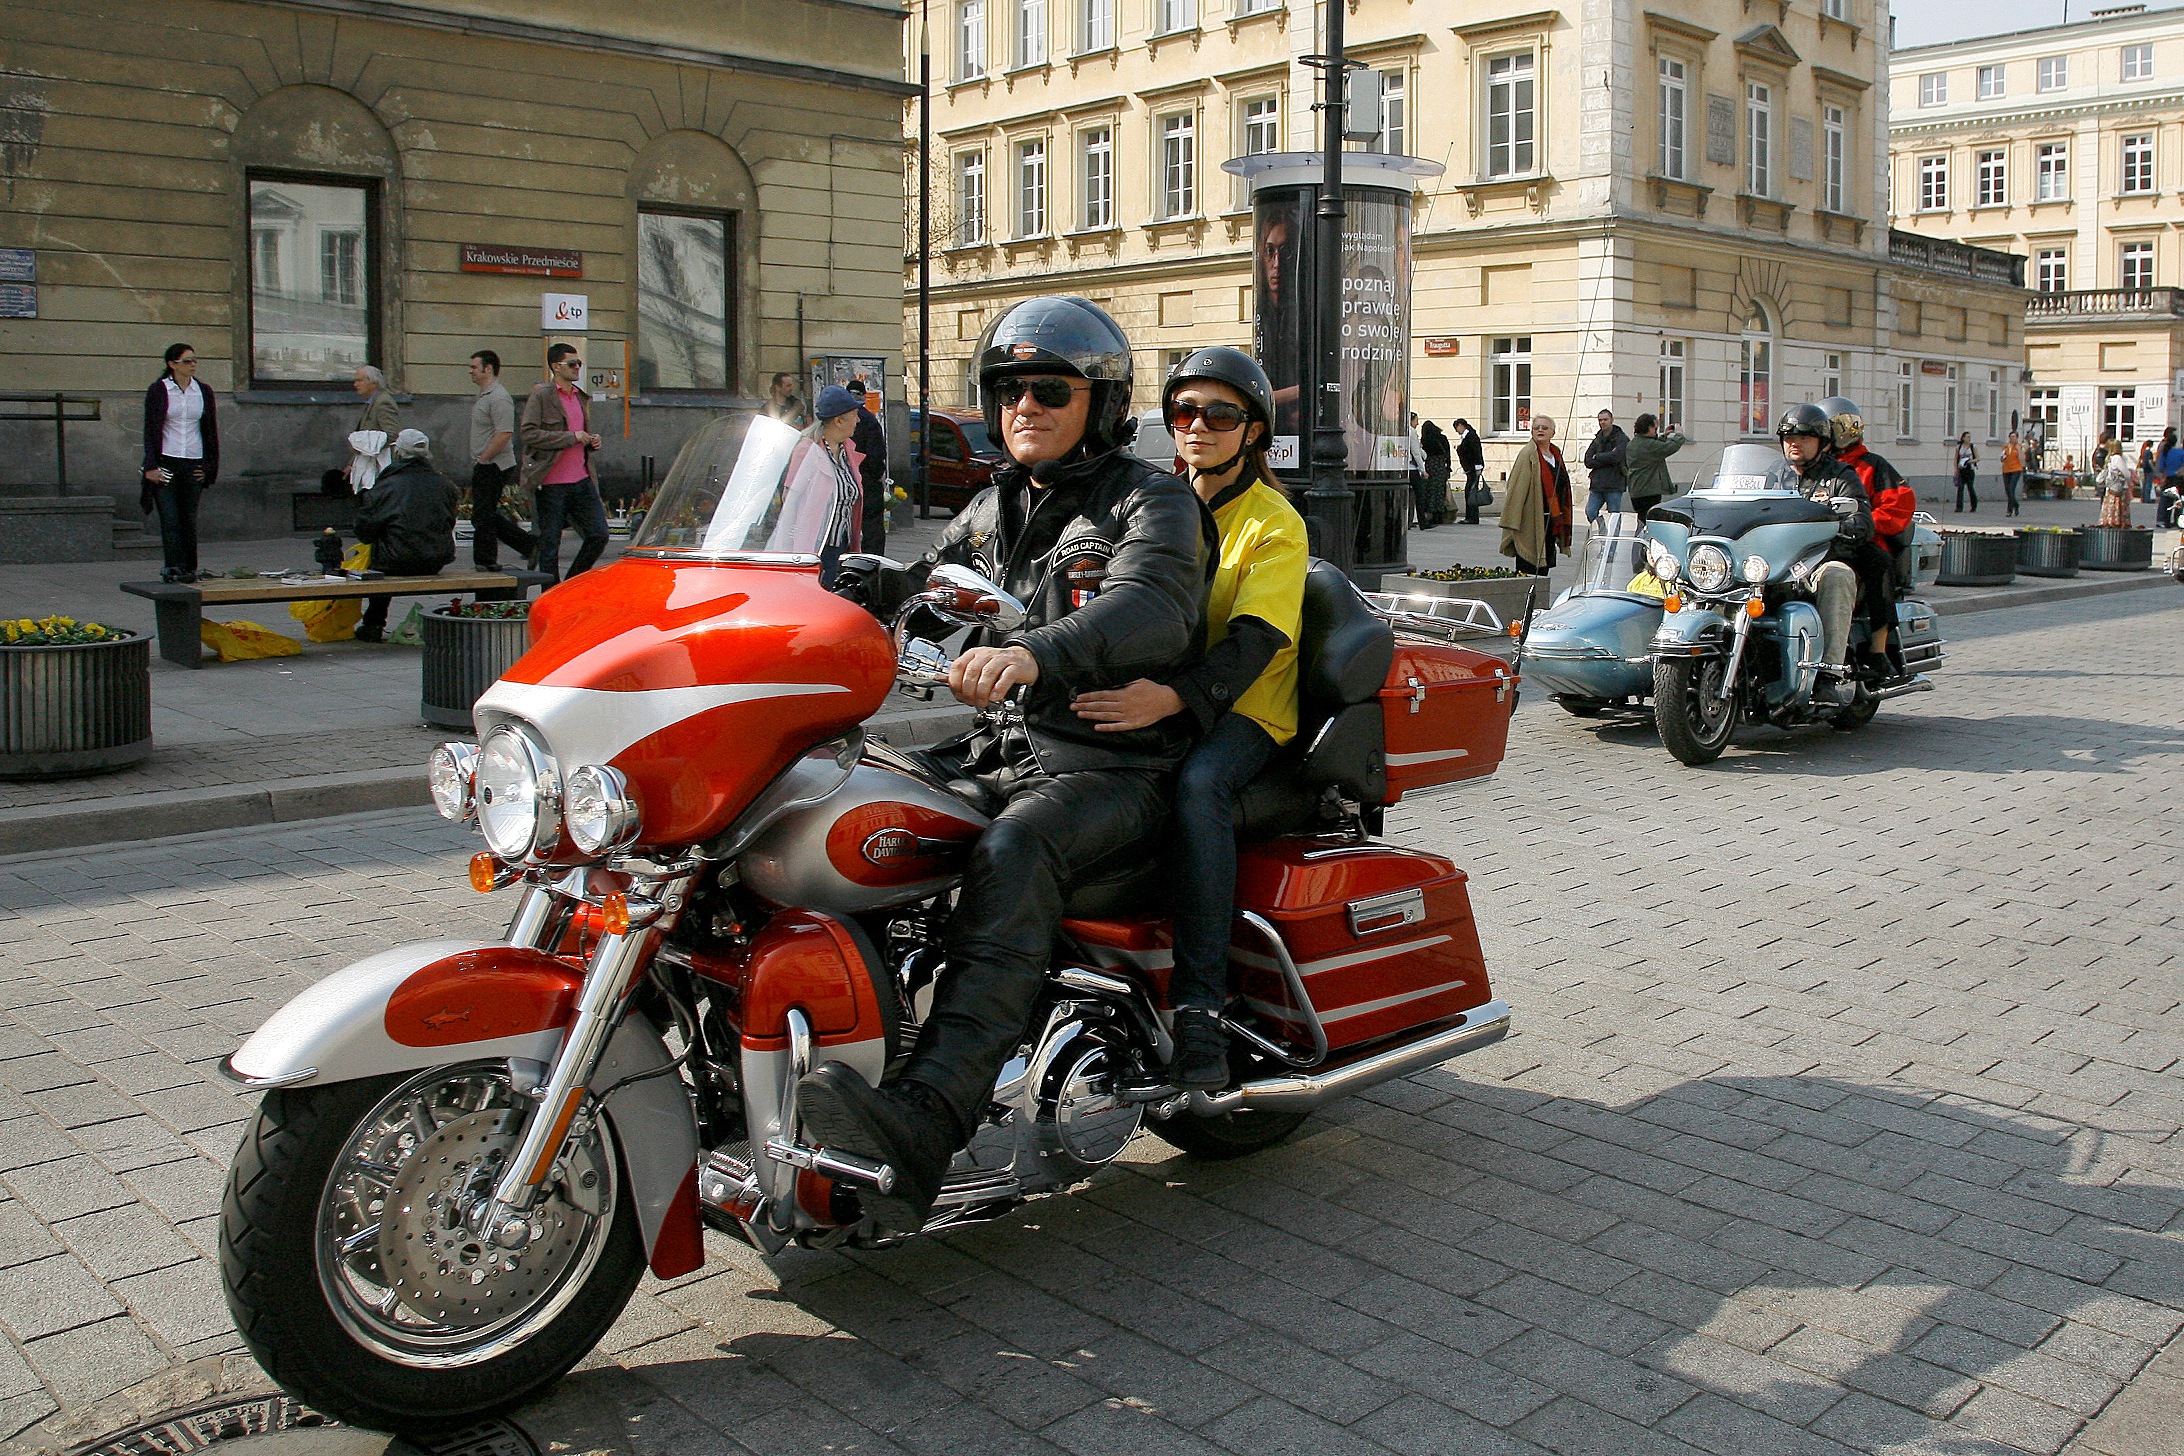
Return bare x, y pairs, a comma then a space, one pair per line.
1047, 390
1221, 417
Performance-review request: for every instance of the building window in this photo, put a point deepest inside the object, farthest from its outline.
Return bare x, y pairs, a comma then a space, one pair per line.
1934, 89
2138, 162
1031, 32
1994, 404
2051, 271
1509, 377
1933, 184
2138, 265
1755, 376
1835, 9
1394, 138
1097, 155
2119, 413
1675, 115
1031, 189
1177, 15
1907, 400
686, 268
1256, 7
1831, 375
2138, 63
1674, 355
2044, 407
970, 198
311, 280
1512, 116
1834, 159
1993, 85
1758, 139
2053, 73
2051, 172
1258, 129
1179, 164
1949, 404
970, 61
1994, 179
1095, 25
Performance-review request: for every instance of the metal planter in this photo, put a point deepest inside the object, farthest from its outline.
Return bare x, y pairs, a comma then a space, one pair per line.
1978, 559
2048, 553
463, 657
66, 711
2117, 548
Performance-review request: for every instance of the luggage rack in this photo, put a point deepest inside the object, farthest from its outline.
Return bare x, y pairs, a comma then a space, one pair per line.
1446, 619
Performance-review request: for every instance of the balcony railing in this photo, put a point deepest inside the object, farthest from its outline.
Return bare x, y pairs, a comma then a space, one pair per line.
1958, 260
2106, 303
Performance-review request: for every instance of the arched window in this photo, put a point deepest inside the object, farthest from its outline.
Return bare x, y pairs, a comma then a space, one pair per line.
1755, 372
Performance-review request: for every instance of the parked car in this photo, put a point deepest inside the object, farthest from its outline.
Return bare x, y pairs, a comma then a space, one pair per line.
1154, 444
964, 457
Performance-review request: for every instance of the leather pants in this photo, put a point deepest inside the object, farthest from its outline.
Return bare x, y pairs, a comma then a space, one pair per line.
1053, 832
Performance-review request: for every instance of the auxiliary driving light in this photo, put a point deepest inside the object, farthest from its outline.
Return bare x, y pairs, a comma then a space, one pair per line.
1755, 569
449, 773
601, 815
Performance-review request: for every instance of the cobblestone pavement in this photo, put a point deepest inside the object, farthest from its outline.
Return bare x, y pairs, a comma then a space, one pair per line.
1843, 1115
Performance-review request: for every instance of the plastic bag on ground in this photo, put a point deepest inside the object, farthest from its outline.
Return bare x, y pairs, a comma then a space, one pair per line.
412, 631
239, 641
328, 621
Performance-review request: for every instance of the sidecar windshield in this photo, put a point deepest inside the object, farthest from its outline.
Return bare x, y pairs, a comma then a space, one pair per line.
1613, 557
1751, 470
745, 486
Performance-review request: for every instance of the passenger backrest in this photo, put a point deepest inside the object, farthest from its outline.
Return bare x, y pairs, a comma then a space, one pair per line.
1344, 651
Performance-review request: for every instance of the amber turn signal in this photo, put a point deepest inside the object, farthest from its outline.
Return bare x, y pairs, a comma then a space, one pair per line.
1754, 607
1674, 604
614, 914
484, 872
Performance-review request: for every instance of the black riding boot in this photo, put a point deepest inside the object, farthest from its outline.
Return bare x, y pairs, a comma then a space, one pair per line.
1201, 1050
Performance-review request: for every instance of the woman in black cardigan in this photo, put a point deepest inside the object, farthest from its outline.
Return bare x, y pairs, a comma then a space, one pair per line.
181, 457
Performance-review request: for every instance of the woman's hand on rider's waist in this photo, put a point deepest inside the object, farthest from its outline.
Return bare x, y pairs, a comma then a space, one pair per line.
1140, 704
984, 676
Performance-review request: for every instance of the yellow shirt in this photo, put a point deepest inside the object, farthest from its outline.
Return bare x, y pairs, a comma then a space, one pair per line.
1263, 561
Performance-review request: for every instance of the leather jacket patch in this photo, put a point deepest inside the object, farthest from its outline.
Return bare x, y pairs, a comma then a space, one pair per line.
1084, 566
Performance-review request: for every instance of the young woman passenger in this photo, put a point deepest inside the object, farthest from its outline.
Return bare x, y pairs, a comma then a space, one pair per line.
1242, 695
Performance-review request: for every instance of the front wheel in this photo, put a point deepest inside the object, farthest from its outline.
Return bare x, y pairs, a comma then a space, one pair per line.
358, 1284
1695, 717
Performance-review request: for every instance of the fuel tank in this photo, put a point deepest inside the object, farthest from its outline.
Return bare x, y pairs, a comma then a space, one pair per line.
885, 837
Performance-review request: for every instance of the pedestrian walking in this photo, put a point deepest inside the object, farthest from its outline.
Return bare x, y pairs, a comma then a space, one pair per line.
408, 519
1535, 516
783, 403
871, 442
181, 458
1434, 441
1471, 455
1967, 473
1604, 464
2156, 468
2013, 472
382, 411
492, 466
1645, 463
2117, 479
834, 429
557, 445
2170, 470
1414, 450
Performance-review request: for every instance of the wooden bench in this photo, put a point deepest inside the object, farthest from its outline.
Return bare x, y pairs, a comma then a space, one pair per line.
182, 608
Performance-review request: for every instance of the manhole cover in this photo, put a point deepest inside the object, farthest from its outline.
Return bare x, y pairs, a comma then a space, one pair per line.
267, 1422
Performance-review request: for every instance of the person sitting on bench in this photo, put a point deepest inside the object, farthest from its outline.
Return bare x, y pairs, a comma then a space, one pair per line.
408, 519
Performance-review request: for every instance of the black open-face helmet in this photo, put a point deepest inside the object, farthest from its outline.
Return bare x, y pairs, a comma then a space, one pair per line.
1223, 365
1845, 419
1060, 334
1804, 419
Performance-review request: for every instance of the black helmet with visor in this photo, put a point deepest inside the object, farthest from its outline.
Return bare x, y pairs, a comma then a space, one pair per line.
1059, 334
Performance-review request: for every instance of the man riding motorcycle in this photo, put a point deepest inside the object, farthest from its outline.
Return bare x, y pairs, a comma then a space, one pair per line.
1894, 504
1108, 556
1809, 444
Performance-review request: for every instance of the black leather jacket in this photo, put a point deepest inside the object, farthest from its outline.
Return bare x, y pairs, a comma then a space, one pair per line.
1110, 561
1829, 479
408, 518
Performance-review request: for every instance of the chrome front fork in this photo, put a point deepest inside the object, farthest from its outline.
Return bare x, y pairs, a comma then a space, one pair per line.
1742, 631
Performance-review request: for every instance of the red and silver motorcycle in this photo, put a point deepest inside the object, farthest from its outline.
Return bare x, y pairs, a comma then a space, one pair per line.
469, 1151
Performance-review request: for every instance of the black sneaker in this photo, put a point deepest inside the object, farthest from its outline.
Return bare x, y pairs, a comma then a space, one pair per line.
1201, 1051
902, 1125
370, 634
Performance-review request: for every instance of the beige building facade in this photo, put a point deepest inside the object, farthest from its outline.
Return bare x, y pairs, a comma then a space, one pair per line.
295, 187
1681, 213
2065, 145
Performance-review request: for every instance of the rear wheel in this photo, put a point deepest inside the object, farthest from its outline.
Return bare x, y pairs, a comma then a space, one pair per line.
1235, 1134
1696, 720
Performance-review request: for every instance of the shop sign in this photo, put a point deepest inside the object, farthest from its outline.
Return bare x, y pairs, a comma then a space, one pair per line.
534, 262
1933, 366
1441, 348
564, 312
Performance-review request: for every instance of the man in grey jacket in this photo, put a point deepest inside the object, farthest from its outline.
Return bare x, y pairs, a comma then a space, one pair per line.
1604, 460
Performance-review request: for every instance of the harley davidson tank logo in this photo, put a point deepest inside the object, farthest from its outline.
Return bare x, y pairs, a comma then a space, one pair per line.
890, 847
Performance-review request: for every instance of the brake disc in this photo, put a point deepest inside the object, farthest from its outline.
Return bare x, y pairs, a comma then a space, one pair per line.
436, 1264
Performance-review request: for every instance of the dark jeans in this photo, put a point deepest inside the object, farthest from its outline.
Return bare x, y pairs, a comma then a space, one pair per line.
2011, 479
1472, 475
488, 526
1052, 833
374, 620
177, 502
1228, 758
577, 503
1967, 484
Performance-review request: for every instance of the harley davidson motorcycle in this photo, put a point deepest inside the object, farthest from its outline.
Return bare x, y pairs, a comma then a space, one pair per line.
468, 1151
1736, 638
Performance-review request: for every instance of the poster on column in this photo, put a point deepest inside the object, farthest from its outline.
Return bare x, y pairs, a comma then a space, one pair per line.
1376, 331
1278, 317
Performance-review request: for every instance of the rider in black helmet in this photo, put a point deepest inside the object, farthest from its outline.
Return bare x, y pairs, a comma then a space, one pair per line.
1109, 558
1808, 441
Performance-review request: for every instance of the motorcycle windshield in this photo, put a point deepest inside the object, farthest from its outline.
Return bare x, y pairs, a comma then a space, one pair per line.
1751, 470
744, 487
1610, 563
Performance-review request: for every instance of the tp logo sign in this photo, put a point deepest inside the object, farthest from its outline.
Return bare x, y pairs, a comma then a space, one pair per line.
563, 312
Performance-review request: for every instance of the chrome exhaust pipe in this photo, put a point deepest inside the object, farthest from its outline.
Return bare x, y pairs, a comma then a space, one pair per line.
1919, 684
1482, 1026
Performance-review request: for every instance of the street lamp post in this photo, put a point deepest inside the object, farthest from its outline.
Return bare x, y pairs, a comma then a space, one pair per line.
925, 261
1328, 501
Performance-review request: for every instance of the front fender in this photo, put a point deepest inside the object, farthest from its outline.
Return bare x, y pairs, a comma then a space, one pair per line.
1693, 627
443, 1001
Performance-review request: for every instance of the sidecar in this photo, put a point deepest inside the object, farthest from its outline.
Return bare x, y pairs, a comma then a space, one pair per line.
1593, 650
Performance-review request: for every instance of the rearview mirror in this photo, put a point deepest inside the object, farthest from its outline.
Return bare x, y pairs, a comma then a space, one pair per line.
961, 594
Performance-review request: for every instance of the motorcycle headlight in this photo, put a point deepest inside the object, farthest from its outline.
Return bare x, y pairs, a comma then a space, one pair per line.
518, 794
1662, 561
600, 813
1709, 568
1755, 569
449, 775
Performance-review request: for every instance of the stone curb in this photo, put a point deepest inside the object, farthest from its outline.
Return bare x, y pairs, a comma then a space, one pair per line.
2069, 590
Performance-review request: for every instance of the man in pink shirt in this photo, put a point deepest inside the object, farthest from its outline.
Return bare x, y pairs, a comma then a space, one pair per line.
557, 445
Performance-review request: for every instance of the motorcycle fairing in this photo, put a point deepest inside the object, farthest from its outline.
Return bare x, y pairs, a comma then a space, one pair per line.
425, 1005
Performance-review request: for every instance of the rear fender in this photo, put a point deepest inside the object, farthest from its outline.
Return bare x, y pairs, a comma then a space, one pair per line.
445, 1001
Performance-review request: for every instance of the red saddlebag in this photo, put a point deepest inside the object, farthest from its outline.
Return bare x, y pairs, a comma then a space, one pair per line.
1446, 712
1383, 937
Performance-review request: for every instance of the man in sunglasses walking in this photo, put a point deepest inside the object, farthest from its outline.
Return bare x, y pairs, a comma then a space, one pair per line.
1110, 558
557, 447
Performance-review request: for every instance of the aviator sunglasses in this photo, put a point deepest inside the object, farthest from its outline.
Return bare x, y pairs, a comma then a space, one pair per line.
1049, 391
1221, 417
